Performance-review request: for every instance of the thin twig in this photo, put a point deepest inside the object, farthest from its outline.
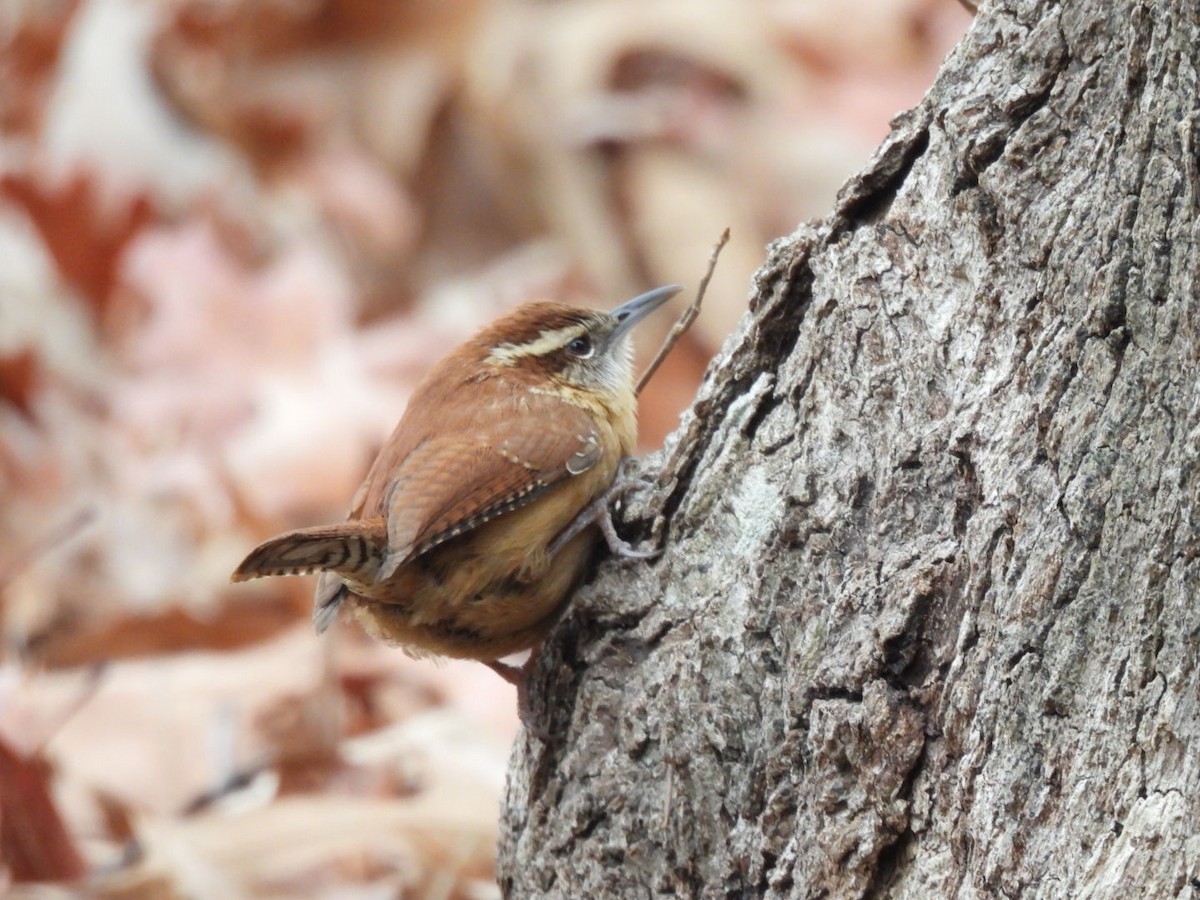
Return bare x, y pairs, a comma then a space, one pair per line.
668, 797
39, 546
93, 680
238, 780
684, 322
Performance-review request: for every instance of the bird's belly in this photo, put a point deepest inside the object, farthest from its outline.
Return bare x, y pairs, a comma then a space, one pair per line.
494, 590
483, 595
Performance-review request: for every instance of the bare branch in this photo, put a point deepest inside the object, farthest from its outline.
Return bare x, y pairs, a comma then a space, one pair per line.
685, 320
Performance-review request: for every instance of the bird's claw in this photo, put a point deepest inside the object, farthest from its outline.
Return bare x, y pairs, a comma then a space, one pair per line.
621, 486
599, 511
618, 546
518, 676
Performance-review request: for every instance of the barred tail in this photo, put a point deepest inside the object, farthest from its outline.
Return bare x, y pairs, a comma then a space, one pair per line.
349, 548
331, 591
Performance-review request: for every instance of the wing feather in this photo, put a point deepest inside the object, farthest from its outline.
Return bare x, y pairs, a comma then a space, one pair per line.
449, 485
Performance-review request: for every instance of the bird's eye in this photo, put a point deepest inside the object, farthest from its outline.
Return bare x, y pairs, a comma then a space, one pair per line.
580, 347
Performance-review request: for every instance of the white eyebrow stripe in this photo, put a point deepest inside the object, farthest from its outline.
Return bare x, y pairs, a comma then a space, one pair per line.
546, 342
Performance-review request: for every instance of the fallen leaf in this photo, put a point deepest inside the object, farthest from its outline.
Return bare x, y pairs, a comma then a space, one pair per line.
34, 842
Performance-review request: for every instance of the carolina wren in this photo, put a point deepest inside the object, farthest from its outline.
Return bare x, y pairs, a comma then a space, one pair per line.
476, 519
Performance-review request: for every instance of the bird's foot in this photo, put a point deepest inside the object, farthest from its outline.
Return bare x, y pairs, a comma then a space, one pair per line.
599, 512
518, 676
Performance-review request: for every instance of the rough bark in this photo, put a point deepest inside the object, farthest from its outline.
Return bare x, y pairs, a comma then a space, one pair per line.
928, 620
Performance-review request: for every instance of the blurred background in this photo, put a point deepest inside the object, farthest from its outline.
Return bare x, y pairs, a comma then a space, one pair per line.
233, 234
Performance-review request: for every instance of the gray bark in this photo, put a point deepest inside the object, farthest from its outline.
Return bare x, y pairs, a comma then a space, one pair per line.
927, 623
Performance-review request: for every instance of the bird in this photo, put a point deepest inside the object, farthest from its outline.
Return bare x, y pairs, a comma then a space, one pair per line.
479, 515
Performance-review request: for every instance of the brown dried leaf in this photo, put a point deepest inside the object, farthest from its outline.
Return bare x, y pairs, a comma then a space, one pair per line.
35, 844
19, 375
28, 54
231, 625
84, 238
117, 815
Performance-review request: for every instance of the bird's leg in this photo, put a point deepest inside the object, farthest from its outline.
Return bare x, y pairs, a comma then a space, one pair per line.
518, 677
604, 519
599, 512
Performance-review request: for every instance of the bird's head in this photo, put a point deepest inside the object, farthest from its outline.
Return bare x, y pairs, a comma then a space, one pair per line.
577, 349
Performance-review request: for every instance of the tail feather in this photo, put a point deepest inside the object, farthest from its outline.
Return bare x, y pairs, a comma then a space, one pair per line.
331, 591
349, 549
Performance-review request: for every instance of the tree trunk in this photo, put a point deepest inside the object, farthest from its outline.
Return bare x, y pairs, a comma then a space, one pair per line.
927, 621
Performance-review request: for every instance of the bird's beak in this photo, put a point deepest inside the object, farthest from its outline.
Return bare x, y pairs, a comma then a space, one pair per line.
629, 314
